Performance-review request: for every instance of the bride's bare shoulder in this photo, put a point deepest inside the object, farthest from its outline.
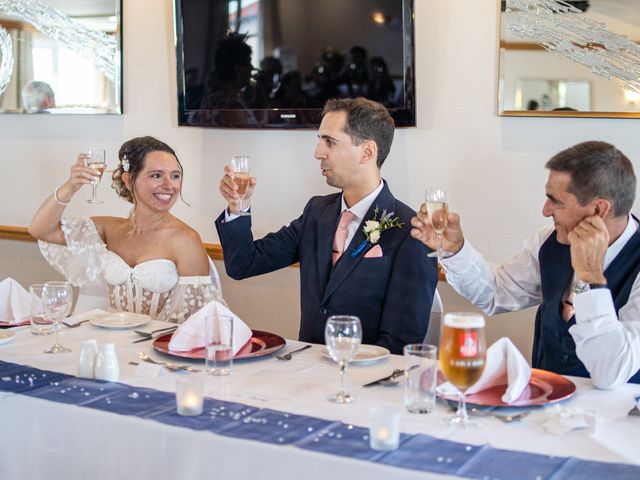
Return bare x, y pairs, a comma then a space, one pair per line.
111, 226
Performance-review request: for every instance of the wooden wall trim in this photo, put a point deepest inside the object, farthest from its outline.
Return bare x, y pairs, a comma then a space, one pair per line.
214, 250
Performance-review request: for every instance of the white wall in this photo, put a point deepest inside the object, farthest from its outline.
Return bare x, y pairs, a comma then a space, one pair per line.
493, 166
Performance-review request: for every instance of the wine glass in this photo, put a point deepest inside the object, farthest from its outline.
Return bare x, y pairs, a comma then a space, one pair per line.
343, 335
96, 161
462, 357
57, 298
240, 175
438, 210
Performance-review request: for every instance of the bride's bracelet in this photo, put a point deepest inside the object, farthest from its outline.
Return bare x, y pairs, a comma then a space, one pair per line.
55, 197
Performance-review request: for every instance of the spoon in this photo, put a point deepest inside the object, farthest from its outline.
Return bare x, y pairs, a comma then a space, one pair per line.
287, 356
150, 334
169, 366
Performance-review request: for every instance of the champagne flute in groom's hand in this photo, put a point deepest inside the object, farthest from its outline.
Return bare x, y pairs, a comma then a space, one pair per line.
241, 177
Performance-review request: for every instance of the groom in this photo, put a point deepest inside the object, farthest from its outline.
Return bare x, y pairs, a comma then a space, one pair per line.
348, 265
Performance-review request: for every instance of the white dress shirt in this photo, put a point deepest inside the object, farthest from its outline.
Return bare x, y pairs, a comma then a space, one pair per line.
608, 346
360, 209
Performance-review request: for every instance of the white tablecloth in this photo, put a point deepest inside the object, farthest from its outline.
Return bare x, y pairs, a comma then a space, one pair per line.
44, 439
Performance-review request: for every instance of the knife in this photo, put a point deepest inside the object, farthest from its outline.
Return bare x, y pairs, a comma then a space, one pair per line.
394, 374
144, 339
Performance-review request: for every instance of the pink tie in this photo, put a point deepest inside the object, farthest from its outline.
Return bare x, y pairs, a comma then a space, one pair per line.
341, 235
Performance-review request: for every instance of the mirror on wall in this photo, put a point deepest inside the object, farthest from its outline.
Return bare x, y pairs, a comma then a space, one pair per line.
60, 56
569, 58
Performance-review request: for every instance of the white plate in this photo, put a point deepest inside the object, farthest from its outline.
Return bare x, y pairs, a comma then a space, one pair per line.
366, 353
120, 320
6, 336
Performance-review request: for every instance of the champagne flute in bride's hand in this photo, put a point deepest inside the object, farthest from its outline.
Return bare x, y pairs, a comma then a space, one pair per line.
438, 210
241, 177
96, 161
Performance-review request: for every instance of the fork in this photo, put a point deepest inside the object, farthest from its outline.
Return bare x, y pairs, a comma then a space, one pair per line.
169, 366
287, 356
635, 411
75, 325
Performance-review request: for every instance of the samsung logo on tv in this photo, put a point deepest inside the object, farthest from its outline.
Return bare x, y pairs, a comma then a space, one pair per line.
287, 115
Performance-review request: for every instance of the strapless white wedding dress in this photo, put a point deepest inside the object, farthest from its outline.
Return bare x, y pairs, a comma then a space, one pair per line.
152, 287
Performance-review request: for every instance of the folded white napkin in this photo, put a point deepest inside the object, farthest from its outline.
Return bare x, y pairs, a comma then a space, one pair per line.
504, 364
191, 333
14, 301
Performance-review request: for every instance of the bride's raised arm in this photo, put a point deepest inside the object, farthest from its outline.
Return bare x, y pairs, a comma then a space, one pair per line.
45, 224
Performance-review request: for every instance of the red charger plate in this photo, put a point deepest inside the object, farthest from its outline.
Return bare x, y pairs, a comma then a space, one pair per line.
260, 344
544, 388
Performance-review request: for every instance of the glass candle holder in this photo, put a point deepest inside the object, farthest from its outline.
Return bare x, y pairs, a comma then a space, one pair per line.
189, 395
384, 428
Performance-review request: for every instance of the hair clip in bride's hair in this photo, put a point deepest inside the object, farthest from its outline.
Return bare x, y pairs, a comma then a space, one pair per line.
126, 165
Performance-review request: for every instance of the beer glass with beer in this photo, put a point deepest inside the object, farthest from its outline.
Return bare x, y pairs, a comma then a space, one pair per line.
241, 177
462, 356
343, 335
438, 210
96, 161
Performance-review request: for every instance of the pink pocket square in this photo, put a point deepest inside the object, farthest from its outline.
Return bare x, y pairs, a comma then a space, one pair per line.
375, 252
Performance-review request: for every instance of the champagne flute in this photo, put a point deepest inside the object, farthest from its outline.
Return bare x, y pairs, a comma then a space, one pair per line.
462, 357
240, 175
96, 161
57, 298
343, 335
438, 210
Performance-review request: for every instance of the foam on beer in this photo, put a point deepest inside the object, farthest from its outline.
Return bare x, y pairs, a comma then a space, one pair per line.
464, 320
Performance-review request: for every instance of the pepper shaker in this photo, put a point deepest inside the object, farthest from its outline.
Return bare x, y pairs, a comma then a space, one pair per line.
107, 367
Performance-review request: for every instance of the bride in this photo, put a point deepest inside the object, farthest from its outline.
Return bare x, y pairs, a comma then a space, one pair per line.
150, 262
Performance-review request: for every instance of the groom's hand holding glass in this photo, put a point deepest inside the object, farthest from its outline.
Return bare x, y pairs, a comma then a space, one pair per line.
423, 230
230, 190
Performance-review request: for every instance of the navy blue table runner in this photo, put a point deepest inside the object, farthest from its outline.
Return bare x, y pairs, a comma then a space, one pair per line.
416, 452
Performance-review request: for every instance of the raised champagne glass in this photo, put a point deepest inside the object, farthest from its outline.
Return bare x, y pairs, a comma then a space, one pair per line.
462, 357
438, 210
343, 335
241, 176
96, 161
57, 298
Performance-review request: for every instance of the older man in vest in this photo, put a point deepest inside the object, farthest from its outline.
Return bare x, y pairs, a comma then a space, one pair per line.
582, 271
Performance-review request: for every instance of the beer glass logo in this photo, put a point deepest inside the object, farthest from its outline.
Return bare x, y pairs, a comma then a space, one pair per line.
468, 344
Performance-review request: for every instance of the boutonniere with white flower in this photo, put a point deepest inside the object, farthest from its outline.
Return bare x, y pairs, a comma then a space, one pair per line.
373, 228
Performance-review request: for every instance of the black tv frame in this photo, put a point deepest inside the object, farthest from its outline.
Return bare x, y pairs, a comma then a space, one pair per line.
296, 118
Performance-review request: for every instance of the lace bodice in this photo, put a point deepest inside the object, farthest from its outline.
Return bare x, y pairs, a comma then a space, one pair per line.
152, 287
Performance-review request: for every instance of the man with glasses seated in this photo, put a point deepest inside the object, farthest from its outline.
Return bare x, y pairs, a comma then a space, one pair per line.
582, 271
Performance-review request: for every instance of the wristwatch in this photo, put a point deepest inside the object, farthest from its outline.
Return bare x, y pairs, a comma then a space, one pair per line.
582, 287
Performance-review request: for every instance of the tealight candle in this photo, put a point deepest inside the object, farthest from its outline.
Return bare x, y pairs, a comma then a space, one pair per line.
189, 395
384, 428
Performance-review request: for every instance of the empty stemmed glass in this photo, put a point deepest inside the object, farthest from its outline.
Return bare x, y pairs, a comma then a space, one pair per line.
438, 210
343, 335
462, 357
240, 175
57, 298
96, 161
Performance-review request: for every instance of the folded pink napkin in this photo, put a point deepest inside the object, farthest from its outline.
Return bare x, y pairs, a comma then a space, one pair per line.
191, 333
504, 364
14, 301
374, 252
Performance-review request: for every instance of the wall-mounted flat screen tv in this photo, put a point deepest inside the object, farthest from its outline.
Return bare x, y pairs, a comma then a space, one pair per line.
274, 63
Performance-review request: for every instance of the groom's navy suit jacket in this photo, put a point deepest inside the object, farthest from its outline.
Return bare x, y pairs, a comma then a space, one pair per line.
391, 294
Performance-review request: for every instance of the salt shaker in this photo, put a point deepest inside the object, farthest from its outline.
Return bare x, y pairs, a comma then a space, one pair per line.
106, 367
87, 358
